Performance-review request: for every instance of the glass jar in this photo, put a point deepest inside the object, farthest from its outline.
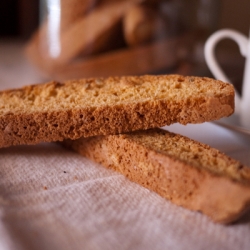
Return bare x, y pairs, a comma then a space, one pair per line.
100, 38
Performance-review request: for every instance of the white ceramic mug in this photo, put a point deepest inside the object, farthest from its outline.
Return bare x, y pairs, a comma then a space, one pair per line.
242, 103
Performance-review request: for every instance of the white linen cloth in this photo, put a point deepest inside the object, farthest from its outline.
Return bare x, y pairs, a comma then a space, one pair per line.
52, 198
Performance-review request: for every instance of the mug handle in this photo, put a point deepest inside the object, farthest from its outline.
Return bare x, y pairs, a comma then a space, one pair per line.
213, 65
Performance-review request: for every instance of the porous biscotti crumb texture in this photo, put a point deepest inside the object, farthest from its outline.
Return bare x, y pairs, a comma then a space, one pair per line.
188, 173
101, 106
109, 91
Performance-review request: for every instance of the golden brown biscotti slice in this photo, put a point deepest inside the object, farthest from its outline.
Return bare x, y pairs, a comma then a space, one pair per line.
93, 32
143, 24
186, 172
101, 106
72, 10
90, 34
127, 61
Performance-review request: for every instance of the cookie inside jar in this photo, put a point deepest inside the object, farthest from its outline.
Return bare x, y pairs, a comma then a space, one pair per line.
100, 38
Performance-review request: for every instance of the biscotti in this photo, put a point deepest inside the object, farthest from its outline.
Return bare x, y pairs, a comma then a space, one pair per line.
186, 172
144, 24
101, 106
76, 33
89, 34
72, 10
128, 61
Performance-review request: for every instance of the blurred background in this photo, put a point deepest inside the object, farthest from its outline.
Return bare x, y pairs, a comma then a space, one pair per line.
23, 43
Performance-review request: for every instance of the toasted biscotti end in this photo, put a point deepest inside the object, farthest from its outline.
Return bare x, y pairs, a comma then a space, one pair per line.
186, 172
101, 106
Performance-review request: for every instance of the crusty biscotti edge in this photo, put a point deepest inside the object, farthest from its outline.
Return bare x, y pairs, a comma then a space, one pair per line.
54, 125
220, 197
